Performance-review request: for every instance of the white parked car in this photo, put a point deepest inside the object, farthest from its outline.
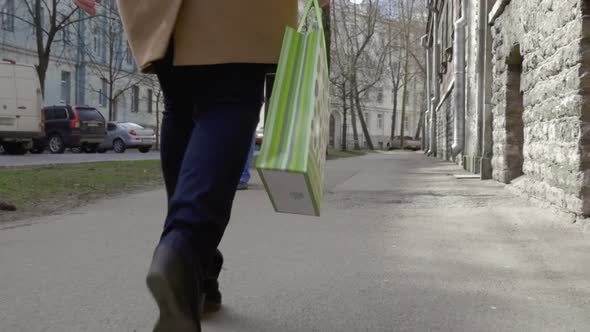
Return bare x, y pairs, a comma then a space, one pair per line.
410, 143
21, 102
122, 136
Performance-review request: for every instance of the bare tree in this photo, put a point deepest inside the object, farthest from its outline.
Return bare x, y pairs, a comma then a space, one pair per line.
412, 19
339, 72
406, 17
395, 73
394, 59
47, 19
340, 88
327, 23
365, 56
158, 98
422, 104
397, 78
353, 115
110, 57
420, 62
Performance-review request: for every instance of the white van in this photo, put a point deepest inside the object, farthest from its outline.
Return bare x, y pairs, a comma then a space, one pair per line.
21, 102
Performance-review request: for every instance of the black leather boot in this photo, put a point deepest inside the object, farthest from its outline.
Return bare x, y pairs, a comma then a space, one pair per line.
174, 281
211, 291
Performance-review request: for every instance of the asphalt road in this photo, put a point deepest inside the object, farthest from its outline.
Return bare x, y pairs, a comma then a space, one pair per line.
73, 158
402, 246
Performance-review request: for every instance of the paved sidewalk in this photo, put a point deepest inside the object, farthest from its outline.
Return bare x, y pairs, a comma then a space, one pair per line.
402, 246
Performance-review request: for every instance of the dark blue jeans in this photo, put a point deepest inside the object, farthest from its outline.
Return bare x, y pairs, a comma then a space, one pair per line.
211, 113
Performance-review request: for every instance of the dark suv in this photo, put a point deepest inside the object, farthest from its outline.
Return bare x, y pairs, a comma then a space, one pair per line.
73, 127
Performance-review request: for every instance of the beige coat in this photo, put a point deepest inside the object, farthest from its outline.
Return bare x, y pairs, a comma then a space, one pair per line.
207, 31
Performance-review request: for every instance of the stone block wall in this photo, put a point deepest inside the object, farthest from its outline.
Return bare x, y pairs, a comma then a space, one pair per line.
549, 36
584, 101
450, 123
444, 129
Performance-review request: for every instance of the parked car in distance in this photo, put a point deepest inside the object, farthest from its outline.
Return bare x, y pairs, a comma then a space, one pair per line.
122, 136
20, 108
410, 143
259, 138
72, 127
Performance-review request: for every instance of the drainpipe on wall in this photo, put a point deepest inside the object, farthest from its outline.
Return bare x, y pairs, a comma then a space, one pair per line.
459, 75
486, 145
426, 132
432, 135
481, 55
427, 124
434, 84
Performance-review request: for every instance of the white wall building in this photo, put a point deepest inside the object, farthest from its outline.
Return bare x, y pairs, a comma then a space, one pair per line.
377, 102
79, 60
378, 112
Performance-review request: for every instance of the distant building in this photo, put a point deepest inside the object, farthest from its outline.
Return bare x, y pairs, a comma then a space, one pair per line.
377, 102
508, 82
80, 61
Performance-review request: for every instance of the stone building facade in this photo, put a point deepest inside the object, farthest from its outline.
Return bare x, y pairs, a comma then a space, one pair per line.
518, 94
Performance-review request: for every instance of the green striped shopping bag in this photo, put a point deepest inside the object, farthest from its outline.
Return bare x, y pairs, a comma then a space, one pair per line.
292, 157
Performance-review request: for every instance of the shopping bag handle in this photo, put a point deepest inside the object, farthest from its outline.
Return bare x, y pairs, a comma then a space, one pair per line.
318, 12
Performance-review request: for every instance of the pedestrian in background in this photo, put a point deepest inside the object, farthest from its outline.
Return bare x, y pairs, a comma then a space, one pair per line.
245, 177
211, 58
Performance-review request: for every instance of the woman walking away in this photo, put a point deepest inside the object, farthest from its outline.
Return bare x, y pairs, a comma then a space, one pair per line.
210, 58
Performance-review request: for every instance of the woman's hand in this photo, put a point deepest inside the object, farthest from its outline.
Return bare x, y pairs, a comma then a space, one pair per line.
88, 6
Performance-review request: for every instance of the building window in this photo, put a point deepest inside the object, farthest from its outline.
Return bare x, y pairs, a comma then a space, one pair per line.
380, 96
102, 93
367, 120
96, 39
7, 16
135, 99
150, 98
66, 87
380, 121
95, 42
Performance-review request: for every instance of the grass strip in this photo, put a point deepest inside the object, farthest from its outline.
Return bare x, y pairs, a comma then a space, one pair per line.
42, 190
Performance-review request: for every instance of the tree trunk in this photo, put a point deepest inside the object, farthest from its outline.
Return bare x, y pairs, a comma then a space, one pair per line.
404, 99
158, 122
327, 22
43, 58
42, 72
111, 103
394, 115
359, 109
363, 123
344, 119
111, 110
355, 134
420, 124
